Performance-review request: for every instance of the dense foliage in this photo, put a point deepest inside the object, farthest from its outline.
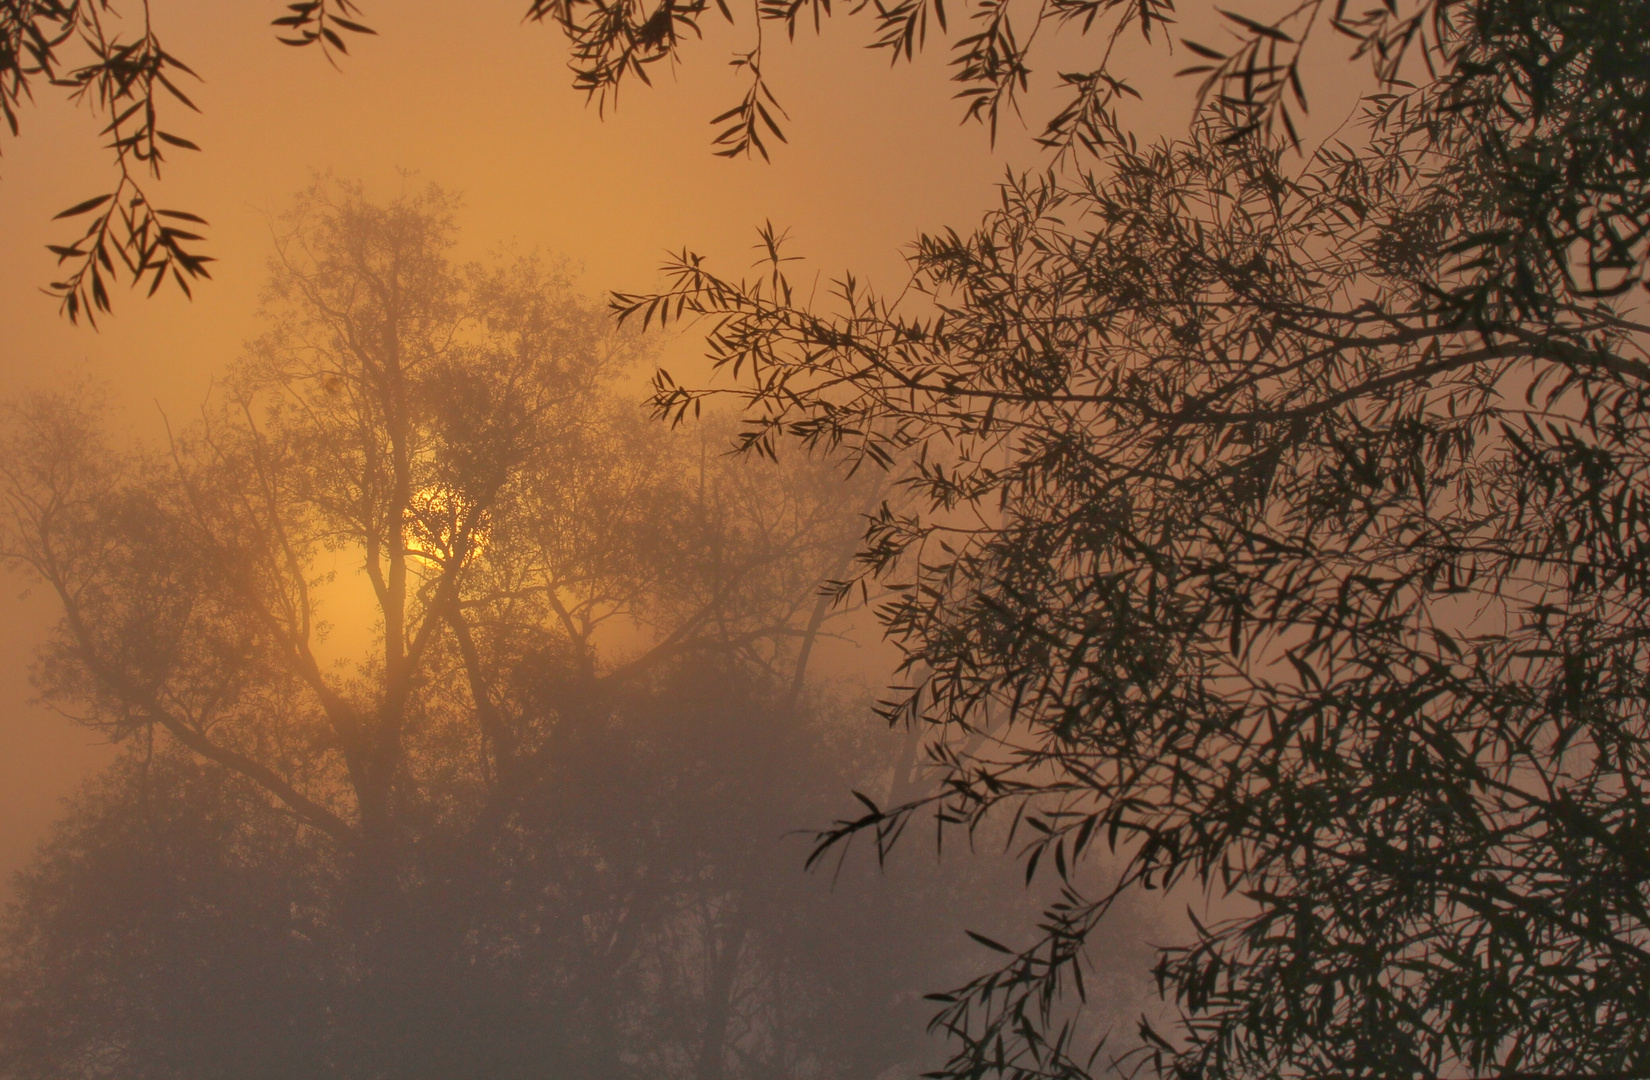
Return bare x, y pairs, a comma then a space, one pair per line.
1281, 526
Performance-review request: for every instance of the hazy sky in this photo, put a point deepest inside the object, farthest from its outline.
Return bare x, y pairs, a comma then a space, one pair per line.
466, 95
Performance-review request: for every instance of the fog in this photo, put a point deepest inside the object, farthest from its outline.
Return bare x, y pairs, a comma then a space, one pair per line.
479, 103
635, 902
649, 912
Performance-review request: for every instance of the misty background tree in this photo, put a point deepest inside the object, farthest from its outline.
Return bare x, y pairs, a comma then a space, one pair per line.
466, 710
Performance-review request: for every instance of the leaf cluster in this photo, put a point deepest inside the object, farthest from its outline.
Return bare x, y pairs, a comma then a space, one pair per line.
79, 47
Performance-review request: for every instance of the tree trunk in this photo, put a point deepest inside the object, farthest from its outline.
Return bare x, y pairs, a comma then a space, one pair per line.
724, 969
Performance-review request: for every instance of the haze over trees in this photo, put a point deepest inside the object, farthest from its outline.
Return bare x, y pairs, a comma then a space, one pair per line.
466, 711
1275, 523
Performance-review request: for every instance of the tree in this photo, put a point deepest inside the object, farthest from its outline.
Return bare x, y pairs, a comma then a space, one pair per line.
465, 712
1279, 527
174, 926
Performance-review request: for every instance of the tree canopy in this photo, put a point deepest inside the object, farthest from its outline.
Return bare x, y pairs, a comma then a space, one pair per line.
1278, 526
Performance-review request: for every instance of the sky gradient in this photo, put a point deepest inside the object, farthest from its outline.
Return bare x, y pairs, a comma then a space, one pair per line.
469, 97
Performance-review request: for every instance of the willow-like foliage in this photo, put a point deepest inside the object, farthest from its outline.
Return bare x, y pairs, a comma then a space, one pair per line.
1279, 525
108, 56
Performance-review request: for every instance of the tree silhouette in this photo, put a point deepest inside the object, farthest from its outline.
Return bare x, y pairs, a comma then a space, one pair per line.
1278, 527
641, 914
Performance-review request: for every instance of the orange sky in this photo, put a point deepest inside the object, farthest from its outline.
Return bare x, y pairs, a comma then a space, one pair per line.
466, 95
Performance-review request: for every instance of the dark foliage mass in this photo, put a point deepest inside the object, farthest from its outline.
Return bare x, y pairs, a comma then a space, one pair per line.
542, 810
1279, 524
